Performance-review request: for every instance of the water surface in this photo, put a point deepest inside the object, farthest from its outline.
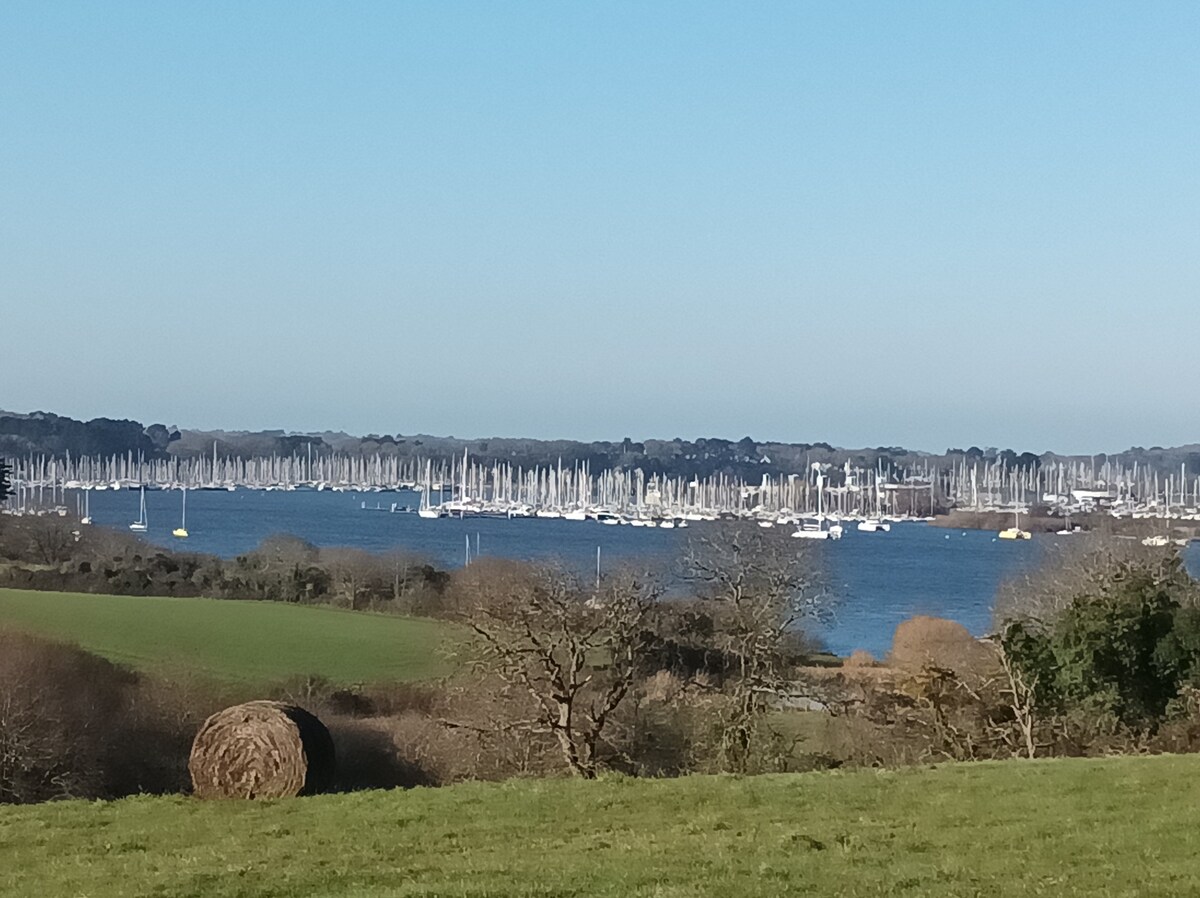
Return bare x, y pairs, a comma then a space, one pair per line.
881, 578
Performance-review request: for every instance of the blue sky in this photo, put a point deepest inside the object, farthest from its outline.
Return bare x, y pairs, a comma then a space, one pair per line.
926, 224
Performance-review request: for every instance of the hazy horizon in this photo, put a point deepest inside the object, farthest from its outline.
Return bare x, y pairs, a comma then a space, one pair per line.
926, 225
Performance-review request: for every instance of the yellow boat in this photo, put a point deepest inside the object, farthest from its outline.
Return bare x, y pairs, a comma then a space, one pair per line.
181, 530
1015, 531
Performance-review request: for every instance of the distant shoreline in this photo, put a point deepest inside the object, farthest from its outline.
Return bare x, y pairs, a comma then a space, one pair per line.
1094, 522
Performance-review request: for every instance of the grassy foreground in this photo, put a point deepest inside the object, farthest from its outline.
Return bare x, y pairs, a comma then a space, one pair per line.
1126, 826
232, 640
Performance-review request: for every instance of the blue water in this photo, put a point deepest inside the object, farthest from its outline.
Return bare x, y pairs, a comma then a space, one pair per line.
879, 578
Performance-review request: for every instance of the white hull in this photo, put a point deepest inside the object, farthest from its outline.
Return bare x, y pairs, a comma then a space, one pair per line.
874, 527
817, 530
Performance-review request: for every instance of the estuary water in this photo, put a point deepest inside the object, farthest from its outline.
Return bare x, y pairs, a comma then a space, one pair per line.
880, 578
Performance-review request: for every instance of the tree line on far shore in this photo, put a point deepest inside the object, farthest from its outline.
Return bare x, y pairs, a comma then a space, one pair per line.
51, 435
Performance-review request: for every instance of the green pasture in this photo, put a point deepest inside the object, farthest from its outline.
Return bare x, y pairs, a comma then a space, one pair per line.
232, 640
1113, 827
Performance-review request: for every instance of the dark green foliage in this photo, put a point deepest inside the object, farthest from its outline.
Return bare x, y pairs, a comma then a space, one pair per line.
50, 434
5, 483
1124, 646
1179, 652
50, 553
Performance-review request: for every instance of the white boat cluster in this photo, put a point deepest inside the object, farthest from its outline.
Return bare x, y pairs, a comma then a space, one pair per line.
820, 500
1066, 488
633, 498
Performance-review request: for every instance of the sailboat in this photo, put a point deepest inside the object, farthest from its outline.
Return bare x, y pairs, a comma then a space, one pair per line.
142, 523
87, 508
181, 530
1067, 529
427, 509
874, 525
818, 528
1159, 540
1015, 531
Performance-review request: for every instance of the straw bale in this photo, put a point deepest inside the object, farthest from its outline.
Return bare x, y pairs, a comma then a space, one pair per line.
261, 750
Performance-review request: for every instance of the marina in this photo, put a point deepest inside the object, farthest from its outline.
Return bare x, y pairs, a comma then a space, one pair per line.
883, 560
465, 487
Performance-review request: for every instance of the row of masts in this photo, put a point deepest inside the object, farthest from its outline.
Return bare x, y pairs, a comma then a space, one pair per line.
464, 486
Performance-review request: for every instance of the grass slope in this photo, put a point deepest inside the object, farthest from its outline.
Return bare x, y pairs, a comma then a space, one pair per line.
228, 640
1124, 827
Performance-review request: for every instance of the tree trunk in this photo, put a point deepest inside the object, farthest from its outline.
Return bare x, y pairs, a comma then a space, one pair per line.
564, 730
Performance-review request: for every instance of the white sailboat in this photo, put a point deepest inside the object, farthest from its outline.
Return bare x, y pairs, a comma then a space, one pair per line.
87, 508
812, 529
874, 525
819, 527
1159, 540
426, 510
181, 530
142, 523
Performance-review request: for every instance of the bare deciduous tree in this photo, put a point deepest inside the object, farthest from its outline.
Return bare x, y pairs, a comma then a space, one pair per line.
573, 649
759, 585
1071, 569
52, 539
351, 572
57, 707
1021, 689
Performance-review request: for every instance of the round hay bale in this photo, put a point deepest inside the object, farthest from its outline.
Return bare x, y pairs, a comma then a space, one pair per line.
261, 750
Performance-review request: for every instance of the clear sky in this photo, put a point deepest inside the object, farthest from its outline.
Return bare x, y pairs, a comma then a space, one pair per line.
925, 224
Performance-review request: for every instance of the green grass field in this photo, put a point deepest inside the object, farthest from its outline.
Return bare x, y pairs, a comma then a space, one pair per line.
1127, 827
230, 640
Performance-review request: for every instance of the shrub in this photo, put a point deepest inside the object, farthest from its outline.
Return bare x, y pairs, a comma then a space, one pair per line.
933, 642
61, 712
1124, 647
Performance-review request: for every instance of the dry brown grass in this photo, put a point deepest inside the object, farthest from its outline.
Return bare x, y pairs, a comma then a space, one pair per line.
934, 642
